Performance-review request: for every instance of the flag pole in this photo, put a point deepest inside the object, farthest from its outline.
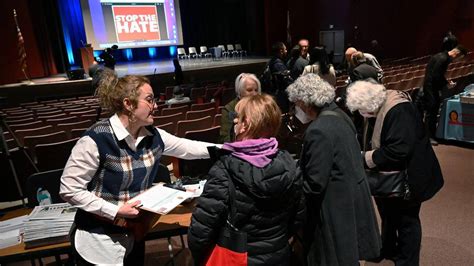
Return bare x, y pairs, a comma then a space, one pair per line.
21, 49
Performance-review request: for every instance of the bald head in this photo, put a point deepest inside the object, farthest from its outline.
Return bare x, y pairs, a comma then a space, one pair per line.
304, 45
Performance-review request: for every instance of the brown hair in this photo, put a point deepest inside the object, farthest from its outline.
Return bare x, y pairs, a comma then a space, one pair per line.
113, 90
261, 114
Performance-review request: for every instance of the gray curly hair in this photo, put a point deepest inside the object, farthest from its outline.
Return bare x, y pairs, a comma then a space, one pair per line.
311, 90
366, 96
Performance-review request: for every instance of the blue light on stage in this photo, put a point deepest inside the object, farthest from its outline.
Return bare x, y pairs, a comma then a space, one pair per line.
152, 52
73, 28
67, 42
173, 51
128, 54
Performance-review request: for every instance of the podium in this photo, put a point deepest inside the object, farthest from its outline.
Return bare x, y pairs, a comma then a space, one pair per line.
87, 57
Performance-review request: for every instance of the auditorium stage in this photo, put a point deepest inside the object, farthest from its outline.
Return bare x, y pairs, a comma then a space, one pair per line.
160, 73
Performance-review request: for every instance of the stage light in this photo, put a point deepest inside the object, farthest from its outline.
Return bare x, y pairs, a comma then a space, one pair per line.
128, 54
67, 42
152, 52
173, 51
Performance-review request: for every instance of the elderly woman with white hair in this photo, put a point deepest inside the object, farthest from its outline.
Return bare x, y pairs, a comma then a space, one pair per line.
246, 84
341, 226
399, 145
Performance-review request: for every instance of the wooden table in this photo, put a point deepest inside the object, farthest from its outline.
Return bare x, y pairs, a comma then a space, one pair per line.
173, 223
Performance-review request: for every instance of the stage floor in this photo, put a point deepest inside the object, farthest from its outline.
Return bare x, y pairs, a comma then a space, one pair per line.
149, 67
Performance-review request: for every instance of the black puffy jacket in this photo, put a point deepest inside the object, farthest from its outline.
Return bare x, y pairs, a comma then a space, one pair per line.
269, 203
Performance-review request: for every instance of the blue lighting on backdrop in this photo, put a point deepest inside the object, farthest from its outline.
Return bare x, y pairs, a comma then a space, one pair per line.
152, 52
128, 54
75, 37
173, 51
73, 28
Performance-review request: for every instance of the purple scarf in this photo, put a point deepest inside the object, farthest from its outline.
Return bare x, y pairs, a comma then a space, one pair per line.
257, 152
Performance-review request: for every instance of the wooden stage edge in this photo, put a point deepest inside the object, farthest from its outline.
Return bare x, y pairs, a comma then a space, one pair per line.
50, 88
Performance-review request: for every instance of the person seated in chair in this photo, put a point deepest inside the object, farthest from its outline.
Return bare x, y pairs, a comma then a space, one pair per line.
178, 96
246, 84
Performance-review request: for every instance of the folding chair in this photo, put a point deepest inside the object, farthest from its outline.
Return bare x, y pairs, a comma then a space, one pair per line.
203, 52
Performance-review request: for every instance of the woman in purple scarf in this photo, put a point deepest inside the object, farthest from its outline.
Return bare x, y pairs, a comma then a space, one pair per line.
268, 191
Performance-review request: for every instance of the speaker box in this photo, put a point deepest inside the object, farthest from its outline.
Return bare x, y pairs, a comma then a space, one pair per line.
75, 74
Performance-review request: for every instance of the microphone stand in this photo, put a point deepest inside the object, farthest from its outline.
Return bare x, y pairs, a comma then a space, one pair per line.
3, 124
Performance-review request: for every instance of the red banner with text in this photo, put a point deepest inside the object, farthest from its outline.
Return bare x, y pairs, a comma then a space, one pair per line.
135, 23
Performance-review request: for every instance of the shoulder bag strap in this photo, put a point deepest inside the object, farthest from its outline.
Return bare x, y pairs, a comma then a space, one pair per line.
345, 118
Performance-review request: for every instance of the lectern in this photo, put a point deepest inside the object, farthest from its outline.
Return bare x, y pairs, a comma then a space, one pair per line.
87, 57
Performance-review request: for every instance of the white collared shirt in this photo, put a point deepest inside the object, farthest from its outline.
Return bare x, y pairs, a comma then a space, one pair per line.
82, 166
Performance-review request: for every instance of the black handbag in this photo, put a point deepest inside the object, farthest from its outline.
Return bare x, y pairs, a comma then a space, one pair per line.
231, 246
389, 184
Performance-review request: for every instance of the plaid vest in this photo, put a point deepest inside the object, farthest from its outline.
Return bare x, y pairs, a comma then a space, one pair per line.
123, 173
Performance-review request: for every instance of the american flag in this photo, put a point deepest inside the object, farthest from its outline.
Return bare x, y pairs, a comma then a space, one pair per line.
21, 45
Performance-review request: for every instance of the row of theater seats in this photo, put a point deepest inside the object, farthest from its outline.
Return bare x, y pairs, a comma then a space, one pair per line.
184, 117
201, 94
410, 75
48, 130
196, 121
413, 78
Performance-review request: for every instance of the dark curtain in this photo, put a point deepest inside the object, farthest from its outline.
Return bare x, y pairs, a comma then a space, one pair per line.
215, 22
48, 30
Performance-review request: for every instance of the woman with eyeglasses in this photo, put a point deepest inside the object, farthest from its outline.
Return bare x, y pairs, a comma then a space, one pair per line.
115, 160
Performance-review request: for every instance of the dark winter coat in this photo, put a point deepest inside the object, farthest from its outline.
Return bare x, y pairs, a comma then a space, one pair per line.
341, 227
269, 203
363, 72
435, 79
404, 144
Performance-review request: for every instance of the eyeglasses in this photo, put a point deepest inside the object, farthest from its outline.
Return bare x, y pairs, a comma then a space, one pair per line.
150, 101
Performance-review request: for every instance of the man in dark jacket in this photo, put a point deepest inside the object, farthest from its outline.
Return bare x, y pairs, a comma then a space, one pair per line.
435, 82
108, 58
281, 77
341, 227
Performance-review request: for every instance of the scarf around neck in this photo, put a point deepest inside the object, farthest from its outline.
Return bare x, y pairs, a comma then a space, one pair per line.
258, 152
393, 98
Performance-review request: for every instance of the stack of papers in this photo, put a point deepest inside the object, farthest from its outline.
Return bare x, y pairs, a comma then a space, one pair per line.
196, 189
10, 231
49, 224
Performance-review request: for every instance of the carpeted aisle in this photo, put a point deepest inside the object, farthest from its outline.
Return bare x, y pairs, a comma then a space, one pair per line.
448, 218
